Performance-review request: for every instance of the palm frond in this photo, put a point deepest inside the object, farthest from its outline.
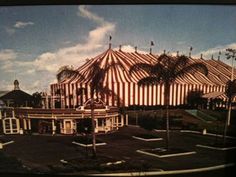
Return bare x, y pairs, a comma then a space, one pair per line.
192, 68
165, 60
66, 72
157, 69
141, 66
149, 80
180, 62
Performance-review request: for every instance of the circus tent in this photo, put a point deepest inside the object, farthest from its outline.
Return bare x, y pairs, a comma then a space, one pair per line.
124, 86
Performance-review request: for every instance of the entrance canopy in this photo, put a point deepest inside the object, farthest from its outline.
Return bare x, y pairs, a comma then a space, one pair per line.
213, 95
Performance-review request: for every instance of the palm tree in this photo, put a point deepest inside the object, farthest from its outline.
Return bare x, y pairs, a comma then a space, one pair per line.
165, 71
230, 92
96, 77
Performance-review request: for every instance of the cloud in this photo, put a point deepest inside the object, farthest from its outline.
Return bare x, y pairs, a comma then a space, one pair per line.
45, 66
17, 25
181, 42
215, 51
20, 24
7, 54
75, 55
130, 48
10, 31
84, 12
6, 85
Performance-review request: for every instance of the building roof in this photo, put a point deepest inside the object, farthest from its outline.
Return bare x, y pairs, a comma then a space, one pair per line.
219, 72
16, 95
3, 93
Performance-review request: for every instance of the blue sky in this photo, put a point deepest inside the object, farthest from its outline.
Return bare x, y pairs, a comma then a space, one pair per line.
37, 40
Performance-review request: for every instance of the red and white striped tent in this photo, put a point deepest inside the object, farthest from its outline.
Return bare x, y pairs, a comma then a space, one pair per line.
125, 87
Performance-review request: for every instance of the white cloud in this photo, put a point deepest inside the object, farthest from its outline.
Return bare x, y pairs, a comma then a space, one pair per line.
17, 25
45, 66
10, 31
130, 48
6, 85
75, 55
181, 42
7, 54
20, 24
215, 51
84, 12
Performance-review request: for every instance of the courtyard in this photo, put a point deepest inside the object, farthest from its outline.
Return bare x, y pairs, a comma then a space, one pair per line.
47, 154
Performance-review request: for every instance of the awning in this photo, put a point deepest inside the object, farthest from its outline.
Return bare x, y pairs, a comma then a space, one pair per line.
216, 94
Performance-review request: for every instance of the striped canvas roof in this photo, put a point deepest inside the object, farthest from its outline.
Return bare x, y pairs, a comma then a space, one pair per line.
219, 72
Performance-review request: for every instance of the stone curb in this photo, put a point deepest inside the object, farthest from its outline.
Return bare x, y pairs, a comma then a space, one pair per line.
170, 172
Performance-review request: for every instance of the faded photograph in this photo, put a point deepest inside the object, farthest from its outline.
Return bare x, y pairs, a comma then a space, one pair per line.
118, 90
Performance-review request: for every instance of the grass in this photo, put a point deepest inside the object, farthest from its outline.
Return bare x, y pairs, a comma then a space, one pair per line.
163, 151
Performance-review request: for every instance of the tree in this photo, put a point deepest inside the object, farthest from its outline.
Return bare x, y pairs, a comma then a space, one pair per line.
37, 100
230, 88
165, 71
96, 77
65, 72
194, 98
230, 92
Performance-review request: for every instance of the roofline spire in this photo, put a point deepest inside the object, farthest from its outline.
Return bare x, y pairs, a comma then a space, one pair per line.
151, 44
120, 47
110, 37
190, 50
219, 55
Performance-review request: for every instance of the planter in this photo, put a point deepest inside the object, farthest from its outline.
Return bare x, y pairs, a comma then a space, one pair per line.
162, 152
147, 137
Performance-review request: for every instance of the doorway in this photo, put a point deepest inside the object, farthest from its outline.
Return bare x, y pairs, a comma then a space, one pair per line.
68, 127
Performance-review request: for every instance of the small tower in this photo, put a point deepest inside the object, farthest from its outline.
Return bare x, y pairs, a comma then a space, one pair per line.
16, 85
190, 51
110, 37
201, 56
120, 47
219, 55
177, 53
152, 44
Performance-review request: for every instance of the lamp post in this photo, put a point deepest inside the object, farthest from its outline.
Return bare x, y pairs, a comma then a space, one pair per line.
231, 53
86, 134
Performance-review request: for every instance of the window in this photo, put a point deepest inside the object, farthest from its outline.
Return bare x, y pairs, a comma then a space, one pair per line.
11, 126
